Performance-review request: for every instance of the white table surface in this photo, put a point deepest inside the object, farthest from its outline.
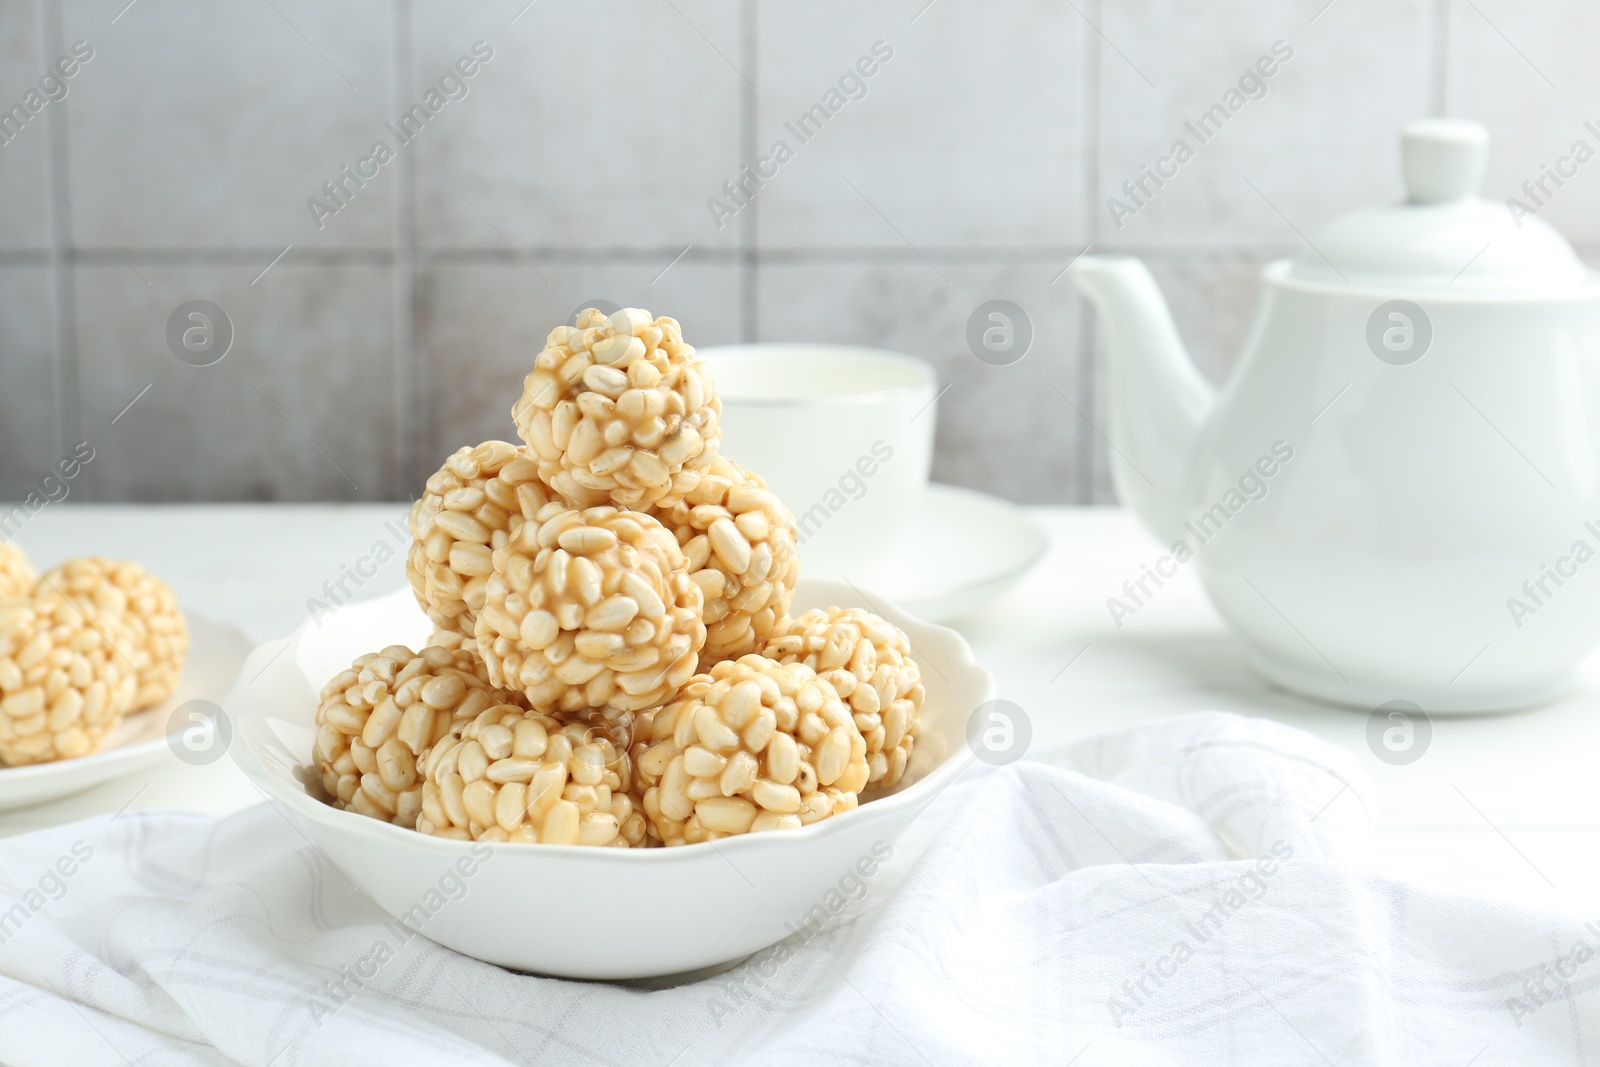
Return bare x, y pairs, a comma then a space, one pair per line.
1505, 805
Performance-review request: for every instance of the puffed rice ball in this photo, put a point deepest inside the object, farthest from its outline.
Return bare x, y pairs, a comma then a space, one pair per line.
524, 776
63, 685
868, 662
591, 609
753, 745
620, 411
384, 713
740, 543
461, 518
145, 608
16, 573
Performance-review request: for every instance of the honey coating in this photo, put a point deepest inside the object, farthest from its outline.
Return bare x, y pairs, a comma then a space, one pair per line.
754, 745
463, 515
739, 540
124, 597
63, 684
16, 573
868, 661
523, 776
378, 720
620, 411
591, 609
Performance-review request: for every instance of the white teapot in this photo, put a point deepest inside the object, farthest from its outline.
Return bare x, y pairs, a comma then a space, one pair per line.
1397, 494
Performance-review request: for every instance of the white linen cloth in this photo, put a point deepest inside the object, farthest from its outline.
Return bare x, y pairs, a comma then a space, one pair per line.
1185, 892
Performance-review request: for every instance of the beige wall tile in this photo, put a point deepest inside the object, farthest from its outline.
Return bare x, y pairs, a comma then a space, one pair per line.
206, 125
29, 440
302, 406
969, 135
591, 142
24, 196
1527, 71
1004, 430
1322, 139
595, 125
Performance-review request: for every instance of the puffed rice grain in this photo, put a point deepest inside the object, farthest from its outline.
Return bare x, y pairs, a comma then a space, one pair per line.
452, 641
16, 573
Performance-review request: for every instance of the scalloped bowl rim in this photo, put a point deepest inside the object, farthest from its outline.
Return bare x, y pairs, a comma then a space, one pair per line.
294, 795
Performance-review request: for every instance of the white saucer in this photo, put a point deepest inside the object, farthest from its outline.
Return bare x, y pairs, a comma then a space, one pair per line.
216, 652
965, 549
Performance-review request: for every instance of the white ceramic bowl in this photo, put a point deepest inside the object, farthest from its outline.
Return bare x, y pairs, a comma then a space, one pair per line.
843, 435
587, 912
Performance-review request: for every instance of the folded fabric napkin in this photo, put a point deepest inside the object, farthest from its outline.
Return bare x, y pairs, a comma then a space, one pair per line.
1186, 892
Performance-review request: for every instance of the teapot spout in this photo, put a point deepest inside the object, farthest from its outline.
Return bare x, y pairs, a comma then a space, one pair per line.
1158, 402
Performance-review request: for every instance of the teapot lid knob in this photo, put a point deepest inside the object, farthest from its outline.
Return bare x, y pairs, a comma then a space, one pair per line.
1443, 159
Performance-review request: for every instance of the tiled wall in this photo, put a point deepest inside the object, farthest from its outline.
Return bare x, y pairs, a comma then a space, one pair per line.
579, 163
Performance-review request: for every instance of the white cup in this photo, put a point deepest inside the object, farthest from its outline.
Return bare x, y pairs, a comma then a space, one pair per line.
843, 435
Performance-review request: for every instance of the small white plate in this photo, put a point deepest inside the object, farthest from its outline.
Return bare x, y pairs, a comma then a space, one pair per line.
724, 899
216, 652
965, 550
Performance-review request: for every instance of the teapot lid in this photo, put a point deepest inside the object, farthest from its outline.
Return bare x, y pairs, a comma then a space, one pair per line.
1444, 236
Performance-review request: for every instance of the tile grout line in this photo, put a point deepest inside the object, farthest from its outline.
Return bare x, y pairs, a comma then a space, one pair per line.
749, 221
1000, 255
411, 416
1439, 87
67, 403
1089, 449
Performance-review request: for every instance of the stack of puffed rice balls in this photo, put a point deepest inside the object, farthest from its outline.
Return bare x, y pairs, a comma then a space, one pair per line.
81, 647
613, 659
